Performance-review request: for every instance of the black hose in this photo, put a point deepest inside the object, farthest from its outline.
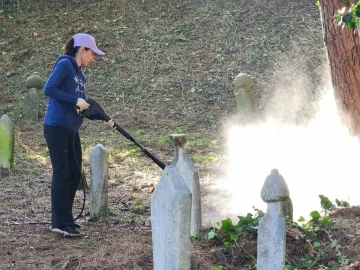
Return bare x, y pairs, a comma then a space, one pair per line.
79, 166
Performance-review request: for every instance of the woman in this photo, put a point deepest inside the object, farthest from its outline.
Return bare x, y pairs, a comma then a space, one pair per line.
66, 91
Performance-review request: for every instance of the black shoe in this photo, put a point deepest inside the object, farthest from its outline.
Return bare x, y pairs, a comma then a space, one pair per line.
66, 231
75, 230
77, 226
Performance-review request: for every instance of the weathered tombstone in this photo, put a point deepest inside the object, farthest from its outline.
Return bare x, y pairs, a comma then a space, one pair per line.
272, 227
31, 102
179, 141
7, 142
245, 98
170, 222
288, 209
34, 81
191, 177
99, 180
31, 105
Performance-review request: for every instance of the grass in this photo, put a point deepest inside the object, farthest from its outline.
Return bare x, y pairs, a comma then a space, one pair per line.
201, 158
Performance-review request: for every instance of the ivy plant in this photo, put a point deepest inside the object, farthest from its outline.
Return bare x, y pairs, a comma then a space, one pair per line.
349, 17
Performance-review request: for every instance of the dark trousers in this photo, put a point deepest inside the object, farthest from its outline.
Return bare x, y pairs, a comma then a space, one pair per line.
66, 159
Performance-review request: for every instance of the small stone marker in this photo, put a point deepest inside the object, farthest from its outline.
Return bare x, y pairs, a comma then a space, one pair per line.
34, 81
179, 141
99, 180
191, 177
7, 142
288, 209
31, 105
245, 98
170, 222
31, 102
272, 227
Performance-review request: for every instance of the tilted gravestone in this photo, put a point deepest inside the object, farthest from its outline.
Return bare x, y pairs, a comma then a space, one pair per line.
271, 242
99, 180
170, 222
245, 98
7, 142
34, 83
191, 177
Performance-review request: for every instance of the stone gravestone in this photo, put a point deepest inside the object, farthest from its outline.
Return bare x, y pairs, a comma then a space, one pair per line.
170, 222
99, 180
31, 101
179, 141
191, 177
288, 209
7, 142
31, 105
245, 98
271, 243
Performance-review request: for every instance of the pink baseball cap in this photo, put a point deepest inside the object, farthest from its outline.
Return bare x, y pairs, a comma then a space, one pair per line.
87, 41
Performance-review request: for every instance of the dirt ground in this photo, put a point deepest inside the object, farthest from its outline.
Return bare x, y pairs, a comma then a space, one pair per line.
169, 68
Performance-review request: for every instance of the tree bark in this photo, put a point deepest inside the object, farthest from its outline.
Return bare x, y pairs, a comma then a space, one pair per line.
344, 56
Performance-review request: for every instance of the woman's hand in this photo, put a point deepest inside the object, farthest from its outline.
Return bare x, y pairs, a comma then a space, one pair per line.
82, 104
110, 123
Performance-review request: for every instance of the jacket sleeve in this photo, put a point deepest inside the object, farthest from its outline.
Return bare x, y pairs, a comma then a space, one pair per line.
51, 89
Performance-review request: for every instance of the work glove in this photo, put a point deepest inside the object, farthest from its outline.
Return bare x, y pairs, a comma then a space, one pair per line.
82, 104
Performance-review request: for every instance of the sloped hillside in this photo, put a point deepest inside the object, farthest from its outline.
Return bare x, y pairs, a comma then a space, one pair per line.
169, 68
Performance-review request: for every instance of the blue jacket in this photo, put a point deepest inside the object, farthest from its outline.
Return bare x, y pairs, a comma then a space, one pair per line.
65, 85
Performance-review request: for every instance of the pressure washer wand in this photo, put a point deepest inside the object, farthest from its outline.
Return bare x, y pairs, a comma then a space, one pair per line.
128, 136
95, 108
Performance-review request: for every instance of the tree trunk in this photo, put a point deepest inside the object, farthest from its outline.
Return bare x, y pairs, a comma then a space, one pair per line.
344, 57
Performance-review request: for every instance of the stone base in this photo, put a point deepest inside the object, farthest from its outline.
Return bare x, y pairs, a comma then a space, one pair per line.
271, 243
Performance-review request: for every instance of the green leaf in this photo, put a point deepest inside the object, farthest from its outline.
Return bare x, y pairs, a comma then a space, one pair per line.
338, 203
233, 237
289, 267
228, 244
211, 235
226, 225
326, 204
315, 215
345, 204
193, 238
352, 25
326, 221
357, 12
249, 228
347, 18
246, 220
316, 244
216, 267
301, 219
307, 263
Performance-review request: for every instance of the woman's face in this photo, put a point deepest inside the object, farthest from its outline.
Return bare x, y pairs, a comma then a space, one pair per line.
86, 56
